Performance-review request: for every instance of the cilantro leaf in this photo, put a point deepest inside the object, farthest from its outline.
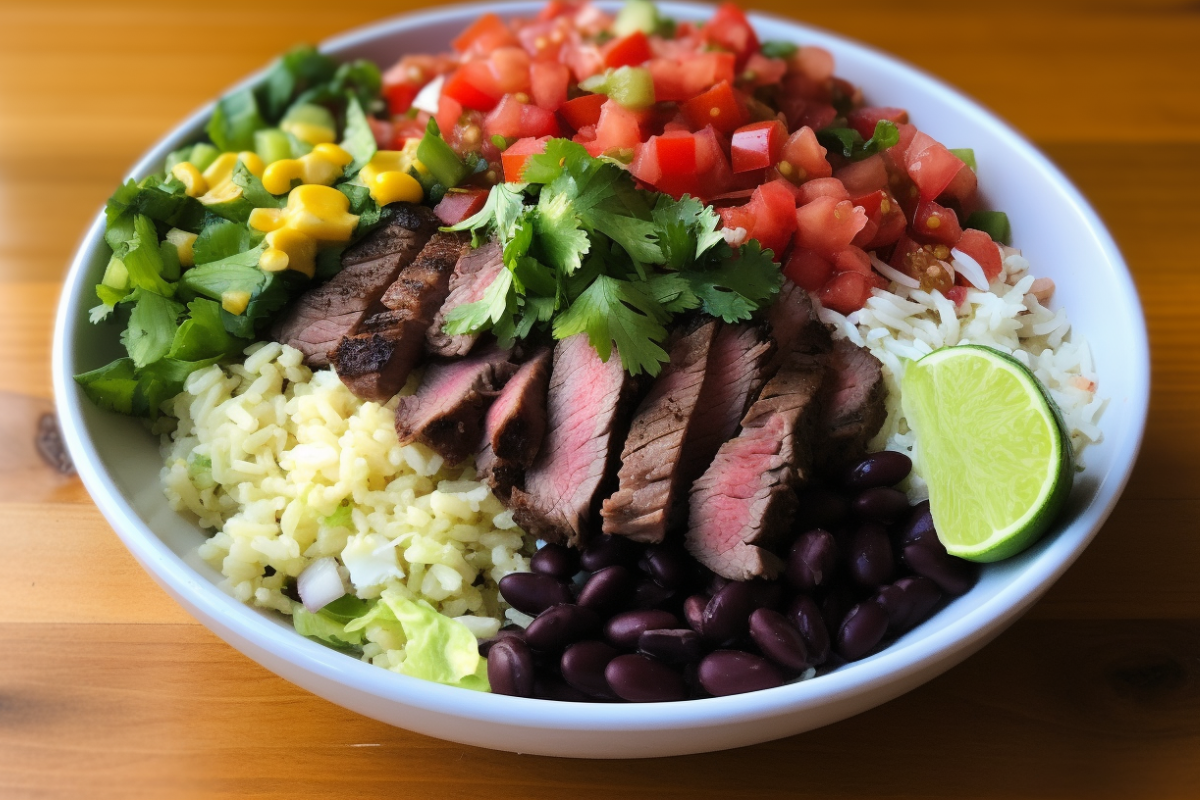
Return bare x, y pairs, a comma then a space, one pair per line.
152, 325
613, 311
687, 228
485, 312
850, 144
234, 121
562, 241
220, 240
358, 139
740, 285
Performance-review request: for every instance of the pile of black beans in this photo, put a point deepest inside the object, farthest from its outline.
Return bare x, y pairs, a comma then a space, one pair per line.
621, 621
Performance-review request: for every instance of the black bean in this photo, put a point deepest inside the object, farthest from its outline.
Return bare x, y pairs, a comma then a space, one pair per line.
641, 679
870, 559
885, 468
812, 560
532, 592
898, 605
919, 526
861, 630
510, 668
557, 627
670, 567
693, 611
834, 605
766, 594
923, 594
583, 664
625, 629
778, 639
608, 589
819, 507
508, 630
557, 560
716, 583
882, 504
605, 551
673, 645
648, 594
551, 688
806, 616
727, 615
929, 558
726, 672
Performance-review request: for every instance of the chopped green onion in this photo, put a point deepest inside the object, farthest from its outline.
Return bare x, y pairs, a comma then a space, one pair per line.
994, 223
631, 87
272, 145
777, 49
442, 162
965, 155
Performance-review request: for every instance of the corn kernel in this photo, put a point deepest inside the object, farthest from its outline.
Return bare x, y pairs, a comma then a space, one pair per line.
193, 182
267, 219
323, 165
219, 176
386, 161
183, 241
235, 302
308, 132
321, 212
289, 249
393, 187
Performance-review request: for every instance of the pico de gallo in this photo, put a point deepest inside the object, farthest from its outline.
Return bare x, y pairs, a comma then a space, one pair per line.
788, 153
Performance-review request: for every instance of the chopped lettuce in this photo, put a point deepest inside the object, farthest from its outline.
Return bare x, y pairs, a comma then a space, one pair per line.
220, 240
358, 139
295, 72
152, 326
439, 649
324, 627
235, 121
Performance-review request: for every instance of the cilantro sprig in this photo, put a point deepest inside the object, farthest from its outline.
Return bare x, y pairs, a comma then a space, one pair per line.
586, 251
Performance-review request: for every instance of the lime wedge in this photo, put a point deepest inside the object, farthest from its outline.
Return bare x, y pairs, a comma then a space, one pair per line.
991, 445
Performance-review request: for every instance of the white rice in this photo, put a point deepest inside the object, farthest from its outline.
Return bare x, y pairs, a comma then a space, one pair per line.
903, 324
287, 466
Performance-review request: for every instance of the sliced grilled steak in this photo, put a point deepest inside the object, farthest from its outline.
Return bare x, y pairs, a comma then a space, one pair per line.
472, 276
514, 426
855, 405
651, 480
586, 410
736, 370
320, 317
375, 362
794, 326
446, 413
746, 498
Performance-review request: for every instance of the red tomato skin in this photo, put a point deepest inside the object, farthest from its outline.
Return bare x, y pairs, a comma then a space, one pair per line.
510, 68
404, 129
846, 292
617, 127
806, 156
885, 214
514, 157
758, 145
931, 166
763, 71
513, 119
935, 224
820, 187
484, 35
677, 154
828, 225
807, 269
383, 131
400, 96
864, 177
582, 111
474, 86
629, 51
864, 119
730, 30
956, 295
548, 84
449, 112
719, 106
979, 246
457, 206
852, 259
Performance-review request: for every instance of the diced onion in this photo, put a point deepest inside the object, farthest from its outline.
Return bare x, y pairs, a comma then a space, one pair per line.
320, 584
970, 269
893, 274
430, 95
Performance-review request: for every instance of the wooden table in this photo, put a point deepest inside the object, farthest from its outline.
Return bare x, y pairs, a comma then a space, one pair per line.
108, 689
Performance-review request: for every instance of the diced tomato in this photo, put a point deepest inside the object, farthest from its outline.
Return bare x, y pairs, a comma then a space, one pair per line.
484, 35
514, 157
709, 176
814, 63
677, 153
963, 190
805, 156
513, 119
828, 225
449, 112
931, 166
628, 51
885, 214
719, 106
383, 132
852, 259
808, 269
864, 119
617, 128
956, 295
555, 8
801, 112
863, 177
905, 247
847, 292
729, 29
458, 205
763, 71
585, 60
404, 80
548, 84
820, 187
400, 96
679, 79
583, 111
404, 128
757, 146
979, 246
544, 40
510, 68
474, 86
935, 224
769, 217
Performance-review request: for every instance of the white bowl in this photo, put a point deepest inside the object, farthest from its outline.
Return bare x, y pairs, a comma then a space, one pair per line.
1059, 232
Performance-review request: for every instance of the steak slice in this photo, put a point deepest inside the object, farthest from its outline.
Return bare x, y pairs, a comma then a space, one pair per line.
472, 276
746, 499
446, 413
375, 362
586, 407
514, 426
794, 326
855, 405
736, 370
320, 317
647, 503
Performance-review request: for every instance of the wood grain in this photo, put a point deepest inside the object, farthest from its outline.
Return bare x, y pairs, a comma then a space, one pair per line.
108, 689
